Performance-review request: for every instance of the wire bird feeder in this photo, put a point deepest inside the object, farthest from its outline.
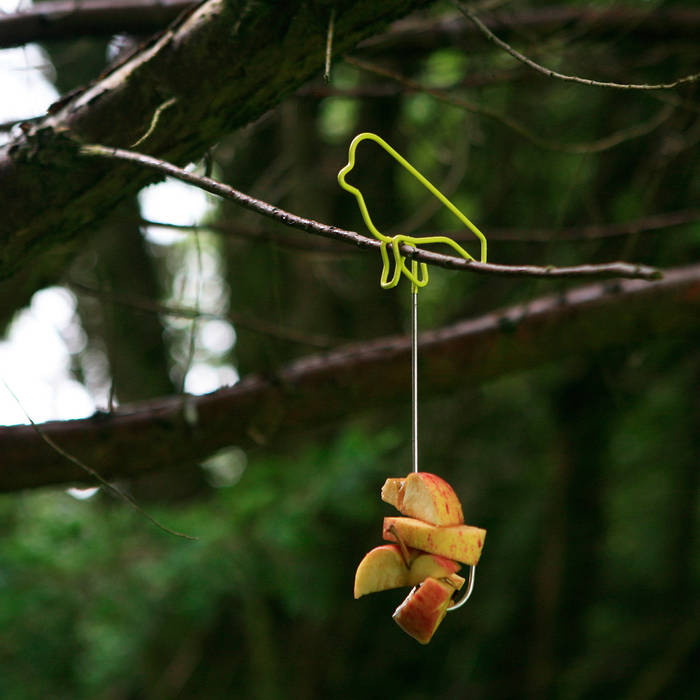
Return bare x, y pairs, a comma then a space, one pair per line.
418, 276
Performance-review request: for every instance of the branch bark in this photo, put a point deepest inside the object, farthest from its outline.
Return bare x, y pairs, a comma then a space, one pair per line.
224, 65
67, 19
648, 23
318, 389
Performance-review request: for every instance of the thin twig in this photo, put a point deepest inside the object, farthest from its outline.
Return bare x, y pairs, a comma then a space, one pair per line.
192, 341
327, 249
255, 325
615, 269
329, 47
604, 144
561, 76
653, 222
154, 120
94, 474
647, 224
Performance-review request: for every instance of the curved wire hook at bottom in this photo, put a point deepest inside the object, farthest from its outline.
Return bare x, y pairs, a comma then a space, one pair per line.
467, 593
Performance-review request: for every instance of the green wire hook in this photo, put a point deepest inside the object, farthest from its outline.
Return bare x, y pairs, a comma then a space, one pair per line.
396, 241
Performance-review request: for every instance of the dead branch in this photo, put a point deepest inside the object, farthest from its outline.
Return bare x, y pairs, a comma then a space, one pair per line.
469, 14
614, 269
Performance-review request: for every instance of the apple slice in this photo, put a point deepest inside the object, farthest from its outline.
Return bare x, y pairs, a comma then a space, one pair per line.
425, 608
458, 542
384, 567
424, 496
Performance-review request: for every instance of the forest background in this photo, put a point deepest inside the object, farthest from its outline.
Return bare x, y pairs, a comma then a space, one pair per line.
565, 411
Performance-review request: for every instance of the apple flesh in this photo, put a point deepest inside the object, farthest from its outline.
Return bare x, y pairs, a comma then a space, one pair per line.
384, 567
425, 608
424, 496
459, 542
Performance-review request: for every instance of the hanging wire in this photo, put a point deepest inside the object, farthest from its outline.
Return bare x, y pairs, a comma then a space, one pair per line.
414, 370
467, 593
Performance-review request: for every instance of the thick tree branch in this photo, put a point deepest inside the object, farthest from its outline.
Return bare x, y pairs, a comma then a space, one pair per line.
647, 23
614, 269
224, 65
314, 390
66, 19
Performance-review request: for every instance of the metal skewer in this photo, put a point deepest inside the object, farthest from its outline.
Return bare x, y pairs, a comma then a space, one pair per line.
414, 369
414, 419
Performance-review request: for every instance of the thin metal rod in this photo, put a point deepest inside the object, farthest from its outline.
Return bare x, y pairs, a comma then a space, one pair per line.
414, 372
467, 594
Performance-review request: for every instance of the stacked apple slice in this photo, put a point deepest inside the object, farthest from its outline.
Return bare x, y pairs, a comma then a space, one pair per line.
430, 543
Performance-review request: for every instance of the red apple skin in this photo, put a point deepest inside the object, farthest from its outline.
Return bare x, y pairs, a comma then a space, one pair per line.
446, 505
424, 496
424, 609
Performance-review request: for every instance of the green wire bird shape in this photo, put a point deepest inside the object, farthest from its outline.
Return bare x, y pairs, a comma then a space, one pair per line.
400, 267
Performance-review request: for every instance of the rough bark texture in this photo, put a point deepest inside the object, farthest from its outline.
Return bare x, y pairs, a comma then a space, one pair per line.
225, 64
157, 436
61, 19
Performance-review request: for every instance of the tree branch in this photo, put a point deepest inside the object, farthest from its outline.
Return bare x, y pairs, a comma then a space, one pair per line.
614, 269
646, 224
603, 144
319, 389
651, 24
255, 234
50, 196
95, 476
256, 325
67, 19
64, 19
561, 76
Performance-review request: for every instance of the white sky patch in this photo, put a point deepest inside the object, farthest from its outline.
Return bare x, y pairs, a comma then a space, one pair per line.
204, 378
218, 337
83, 494
35, 362
172, 202
26, 92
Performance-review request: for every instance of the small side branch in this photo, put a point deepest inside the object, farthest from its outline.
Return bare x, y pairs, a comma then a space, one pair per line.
256, 325
154, 121
607, 142
329, 47
561, 76
93, 473
615, 269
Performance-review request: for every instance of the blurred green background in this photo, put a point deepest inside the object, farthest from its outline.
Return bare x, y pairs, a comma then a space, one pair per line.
584, 470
